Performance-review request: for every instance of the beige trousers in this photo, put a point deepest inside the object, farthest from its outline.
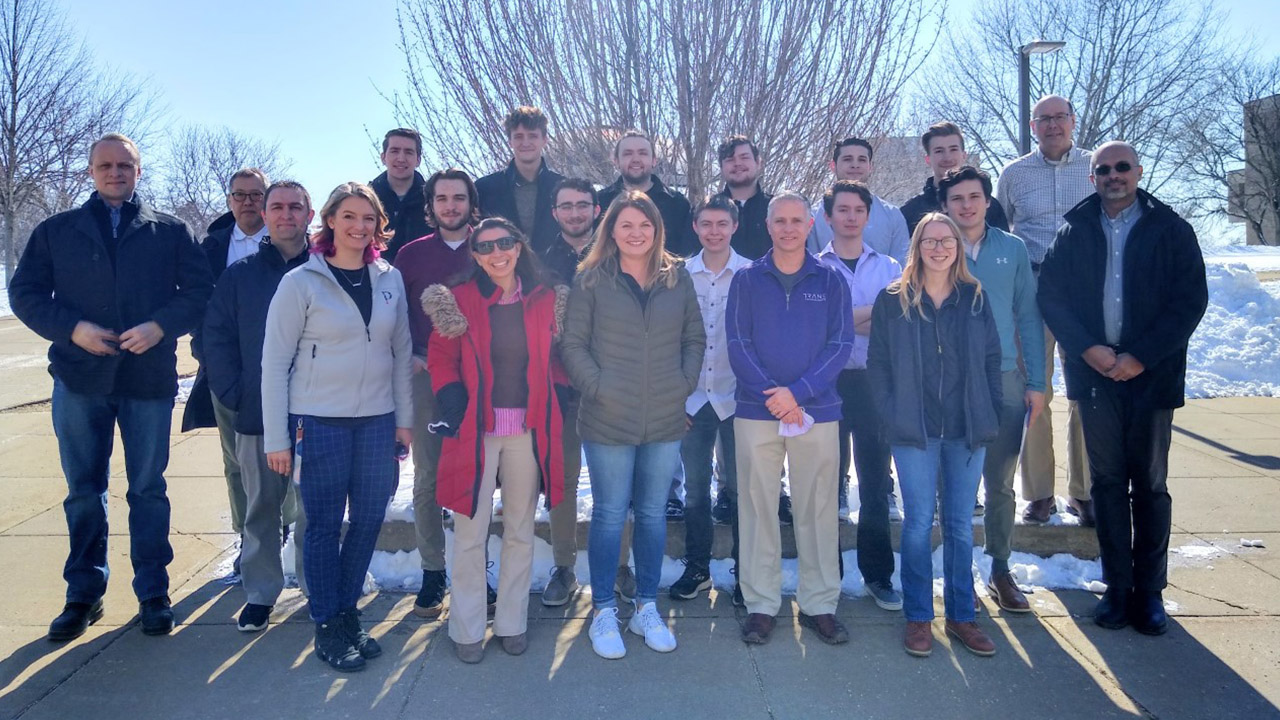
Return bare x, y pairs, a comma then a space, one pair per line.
1038, 466
813, 461
510, 459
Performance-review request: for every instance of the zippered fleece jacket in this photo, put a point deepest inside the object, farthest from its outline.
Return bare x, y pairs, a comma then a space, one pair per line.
320, 359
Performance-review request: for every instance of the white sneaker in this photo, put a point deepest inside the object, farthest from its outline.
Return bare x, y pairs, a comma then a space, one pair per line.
656, 634
606, 640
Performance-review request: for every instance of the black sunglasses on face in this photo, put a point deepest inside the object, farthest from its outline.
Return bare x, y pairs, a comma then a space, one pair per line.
485, 247
1105, 170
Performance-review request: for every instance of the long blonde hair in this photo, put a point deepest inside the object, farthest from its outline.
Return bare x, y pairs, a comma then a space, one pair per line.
604, 257
910, 288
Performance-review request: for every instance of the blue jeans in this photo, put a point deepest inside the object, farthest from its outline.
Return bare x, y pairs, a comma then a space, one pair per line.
918, 471
638, 476
85, 427
347, 467
696, 452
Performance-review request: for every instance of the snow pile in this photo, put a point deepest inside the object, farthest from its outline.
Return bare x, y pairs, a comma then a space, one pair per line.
1236, 349
1259, 258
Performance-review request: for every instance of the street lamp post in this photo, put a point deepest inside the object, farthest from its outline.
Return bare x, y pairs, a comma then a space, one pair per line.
1036, 47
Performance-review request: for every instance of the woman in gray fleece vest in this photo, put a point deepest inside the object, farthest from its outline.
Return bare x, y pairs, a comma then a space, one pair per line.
633, 345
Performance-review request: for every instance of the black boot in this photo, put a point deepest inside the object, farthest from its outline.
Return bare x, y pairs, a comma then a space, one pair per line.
363, 641
1146, 613
1112, 611
334, 647
156, 616
76, 617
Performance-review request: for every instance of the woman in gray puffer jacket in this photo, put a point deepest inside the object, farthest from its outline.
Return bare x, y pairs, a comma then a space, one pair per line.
633, 345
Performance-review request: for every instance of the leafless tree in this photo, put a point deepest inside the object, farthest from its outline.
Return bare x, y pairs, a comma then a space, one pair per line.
793, 74
1131, 68
54, 101
196, 170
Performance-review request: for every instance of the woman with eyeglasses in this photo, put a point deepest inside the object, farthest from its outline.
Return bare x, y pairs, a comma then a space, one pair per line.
934, 369
494, 370
335, 377
633, 347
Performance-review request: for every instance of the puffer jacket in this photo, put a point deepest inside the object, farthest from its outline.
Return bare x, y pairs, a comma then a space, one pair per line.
459, 356
634, 365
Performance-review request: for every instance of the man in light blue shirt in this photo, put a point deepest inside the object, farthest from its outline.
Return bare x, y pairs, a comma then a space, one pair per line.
846, 209
886, 230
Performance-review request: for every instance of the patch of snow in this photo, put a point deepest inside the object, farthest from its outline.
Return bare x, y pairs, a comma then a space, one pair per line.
1259, 258
1236, 349
184, 388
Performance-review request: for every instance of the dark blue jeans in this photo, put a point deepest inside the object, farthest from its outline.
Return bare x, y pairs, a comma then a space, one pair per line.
85, 427
347, 467
696, 452
871, 459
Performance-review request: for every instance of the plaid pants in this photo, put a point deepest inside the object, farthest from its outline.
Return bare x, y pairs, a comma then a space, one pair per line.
350, 466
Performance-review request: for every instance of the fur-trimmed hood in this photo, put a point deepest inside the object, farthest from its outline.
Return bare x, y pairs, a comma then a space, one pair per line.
441, 305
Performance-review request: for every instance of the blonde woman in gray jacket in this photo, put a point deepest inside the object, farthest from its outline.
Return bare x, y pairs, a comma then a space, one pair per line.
632, 345
335, 379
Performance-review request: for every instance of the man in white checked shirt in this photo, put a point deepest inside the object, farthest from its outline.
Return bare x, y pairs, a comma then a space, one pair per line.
1036, 190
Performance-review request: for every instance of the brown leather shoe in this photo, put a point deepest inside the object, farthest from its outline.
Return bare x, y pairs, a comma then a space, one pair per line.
1038, 511
918, 641
1082, 509
1006, 594
972, 637
829, 629
756, 629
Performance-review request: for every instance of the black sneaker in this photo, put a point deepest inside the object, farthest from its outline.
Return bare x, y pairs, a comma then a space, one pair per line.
491, 597
334, 647
430, 602
694, 580
76, 617
675, 509
738, 600
784, 510
254, 618
156, 616
725, 511
363, 642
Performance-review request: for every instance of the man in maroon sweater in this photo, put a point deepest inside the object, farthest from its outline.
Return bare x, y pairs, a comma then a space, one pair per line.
434, 259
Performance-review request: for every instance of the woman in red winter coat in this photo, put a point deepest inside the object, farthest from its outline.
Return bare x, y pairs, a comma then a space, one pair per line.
494, 372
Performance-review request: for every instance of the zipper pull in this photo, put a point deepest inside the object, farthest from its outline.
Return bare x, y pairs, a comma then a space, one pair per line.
367, 335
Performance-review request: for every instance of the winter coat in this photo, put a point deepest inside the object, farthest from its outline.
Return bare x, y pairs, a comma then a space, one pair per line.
235, 327
66, 275
1165, 295
897, 382
198, 412
407, 219
459, 359
634, 365
751, 240
498, 199
320, 359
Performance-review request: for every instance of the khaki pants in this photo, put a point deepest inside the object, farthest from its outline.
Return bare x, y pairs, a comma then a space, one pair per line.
428, 522
1038, 467
564, 517
511, 459
813, 459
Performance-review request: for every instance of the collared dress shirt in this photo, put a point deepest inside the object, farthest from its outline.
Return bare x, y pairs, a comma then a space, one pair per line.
716, 383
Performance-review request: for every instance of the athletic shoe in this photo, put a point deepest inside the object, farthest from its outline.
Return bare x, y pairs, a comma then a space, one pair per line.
606, 640
885, 596
333, 647
784, 510
254, 618
725, 511
363, 642
694, 580
648, 623
675, 509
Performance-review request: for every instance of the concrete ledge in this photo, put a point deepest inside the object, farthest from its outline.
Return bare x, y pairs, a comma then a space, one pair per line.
1042, 540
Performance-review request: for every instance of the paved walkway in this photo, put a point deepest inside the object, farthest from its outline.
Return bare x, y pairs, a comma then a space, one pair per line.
1219, 660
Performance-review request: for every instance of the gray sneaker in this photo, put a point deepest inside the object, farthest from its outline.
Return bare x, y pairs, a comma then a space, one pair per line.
562, 585
625, 584
884, 595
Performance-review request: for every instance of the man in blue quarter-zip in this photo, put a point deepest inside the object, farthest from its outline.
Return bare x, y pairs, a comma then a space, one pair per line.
789, 325
999, 261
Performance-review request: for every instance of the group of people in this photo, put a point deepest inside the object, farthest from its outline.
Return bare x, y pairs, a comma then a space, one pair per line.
501, 329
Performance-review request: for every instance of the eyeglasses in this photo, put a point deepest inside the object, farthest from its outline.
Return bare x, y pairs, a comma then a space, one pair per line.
242, 196
486, 247
1060, 118
1104, 170
583, 206
933, 243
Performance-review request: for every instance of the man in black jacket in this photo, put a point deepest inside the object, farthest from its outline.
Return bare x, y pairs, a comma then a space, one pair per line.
400, 189
636, 159
740, 167
234, 330
522, 191
113, 284
944, 150
1123, 288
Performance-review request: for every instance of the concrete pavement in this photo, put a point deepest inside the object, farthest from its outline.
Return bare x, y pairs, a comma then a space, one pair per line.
1219, 660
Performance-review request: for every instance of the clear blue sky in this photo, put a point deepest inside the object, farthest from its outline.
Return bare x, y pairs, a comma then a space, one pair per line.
307, 74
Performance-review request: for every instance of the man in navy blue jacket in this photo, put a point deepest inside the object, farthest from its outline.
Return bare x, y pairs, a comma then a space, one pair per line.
113, 284
789, 323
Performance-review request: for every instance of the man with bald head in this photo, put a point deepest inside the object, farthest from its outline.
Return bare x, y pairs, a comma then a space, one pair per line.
1036, 190
790, 331
1123, 288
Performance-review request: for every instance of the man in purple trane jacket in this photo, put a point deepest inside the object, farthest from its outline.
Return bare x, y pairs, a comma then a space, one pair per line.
789, 324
